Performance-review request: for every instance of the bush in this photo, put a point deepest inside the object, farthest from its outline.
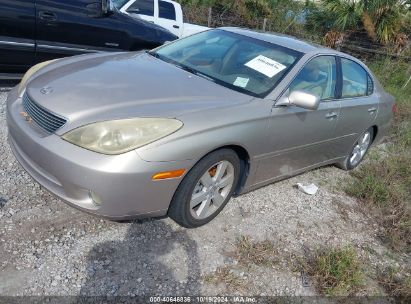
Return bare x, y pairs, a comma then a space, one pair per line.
336, 272
384, 185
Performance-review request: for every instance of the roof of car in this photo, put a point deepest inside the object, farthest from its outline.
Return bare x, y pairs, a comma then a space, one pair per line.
279, 39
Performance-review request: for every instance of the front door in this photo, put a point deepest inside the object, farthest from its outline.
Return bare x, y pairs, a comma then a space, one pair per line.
17, 35
74, 27
300, 138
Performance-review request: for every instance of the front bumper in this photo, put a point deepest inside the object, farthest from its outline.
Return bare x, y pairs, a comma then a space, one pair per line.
123, 182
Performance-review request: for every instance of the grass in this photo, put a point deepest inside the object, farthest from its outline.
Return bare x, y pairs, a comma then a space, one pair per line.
252, 252
336, 272
247, 253
394, 284
384, 184
393, 75
227, 277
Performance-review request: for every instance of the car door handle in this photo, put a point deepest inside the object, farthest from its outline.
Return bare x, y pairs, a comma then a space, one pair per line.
48, 16
372, 110
176, 26
331, 115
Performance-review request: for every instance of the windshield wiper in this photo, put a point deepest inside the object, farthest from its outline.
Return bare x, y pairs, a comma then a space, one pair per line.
193, 71
161, 57
181, 66
154, 54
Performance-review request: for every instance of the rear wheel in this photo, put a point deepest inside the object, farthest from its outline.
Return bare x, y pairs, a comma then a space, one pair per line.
359, 150
206, 189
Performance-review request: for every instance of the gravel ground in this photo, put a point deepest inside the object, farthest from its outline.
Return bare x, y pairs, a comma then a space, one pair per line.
48, 248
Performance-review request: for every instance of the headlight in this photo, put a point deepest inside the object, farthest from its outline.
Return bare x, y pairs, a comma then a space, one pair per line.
31, 72
120, 136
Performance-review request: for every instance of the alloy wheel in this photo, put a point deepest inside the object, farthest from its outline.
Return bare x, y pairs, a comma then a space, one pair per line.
212, 189
360, 149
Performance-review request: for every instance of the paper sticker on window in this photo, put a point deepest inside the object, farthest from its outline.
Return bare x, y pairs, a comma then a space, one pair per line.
241, 82
266, 66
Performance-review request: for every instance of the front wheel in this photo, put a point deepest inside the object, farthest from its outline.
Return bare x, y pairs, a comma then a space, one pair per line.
359, 150
206, 189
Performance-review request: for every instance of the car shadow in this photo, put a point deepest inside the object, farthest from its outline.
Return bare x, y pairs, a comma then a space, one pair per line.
152, 259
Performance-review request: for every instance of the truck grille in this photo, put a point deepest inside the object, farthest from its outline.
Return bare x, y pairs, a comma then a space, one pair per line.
42, 117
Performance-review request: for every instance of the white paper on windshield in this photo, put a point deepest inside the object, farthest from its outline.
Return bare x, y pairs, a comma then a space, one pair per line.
241, 82
266, 66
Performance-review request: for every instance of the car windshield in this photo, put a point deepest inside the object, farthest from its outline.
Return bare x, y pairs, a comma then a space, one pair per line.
118, 4
235, 61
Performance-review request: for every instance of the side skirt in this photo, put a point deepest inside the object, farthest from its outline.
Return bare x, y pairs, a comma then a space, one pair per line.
283, 177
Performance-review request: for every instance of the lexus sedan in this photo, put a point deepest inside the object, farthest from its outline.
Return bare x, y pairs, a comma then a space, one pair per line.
180, 129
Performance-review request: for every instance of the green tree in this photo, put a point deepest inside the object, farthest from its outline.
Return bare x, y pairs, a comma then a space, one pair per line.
385, 21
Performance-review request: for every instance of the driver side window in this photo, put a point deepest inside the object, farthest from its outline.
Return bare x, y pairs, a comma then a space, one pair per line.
142, 7
318, 77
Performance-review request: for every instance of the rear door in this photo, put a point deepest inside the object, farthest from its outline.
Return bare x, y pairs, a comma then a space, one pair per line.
17, 35
73, 27
359, 104
300, 138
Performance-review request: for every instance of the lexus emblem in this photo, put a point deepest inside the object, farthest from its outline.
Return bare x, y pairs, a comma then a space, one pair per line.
46, 90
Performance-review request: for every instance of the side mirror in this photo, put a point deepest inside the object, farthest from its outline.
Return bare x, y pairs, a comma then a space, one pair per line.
301, 99
105, 7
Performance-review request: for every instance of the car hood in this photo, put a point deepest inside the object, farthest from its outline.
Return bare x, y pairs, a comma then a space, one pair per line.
102, 87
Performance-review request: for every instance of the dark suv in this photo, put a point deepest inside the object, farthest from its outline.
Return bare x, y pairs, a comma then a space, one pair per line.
32, 31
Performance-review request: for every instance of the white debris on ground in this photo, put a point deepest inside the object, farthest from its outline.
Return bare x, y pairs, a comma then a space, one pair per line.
310, 189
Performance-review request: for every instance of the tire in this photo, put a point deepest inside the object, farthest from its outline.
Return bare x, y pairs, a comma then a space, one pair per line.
348, 164
199, 198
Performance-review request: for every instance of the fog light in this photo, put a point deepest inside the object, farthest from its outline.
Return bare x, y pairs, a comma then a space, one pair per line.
95, 198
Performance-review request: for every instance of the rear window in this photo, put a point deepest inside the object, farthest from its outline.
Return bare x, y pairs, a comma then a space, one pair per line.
167, 10
355, 79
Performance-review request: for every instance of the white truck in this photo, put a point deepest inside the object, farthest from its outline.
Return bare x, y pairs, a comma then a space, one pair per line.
165, 13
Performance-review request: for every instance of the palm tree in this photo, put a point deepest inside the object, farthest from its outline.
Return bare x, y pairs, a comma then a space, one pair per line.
383, 20
389, 19
235, 12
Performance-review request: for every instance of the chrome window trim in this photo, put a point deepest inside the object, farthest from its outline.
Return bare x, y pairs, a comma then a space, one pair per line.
65, 48
2, 42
